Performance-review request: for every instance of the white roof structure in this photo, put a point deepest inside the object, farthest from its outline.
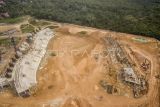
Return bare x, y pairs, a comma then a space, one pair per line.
130, 76
3, 82
25, 70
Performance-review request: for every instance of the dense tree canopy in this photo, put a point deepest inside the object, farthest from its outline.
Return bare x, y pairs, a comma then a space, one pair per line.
131, 16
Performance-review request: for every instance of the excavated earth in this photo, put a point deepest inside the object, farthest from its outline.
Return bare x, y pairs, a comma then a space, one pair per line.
70, 73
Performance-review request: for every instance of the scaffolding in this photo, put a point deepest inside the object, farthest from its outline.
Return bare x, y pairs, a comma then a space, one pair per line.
115, 51
127, 73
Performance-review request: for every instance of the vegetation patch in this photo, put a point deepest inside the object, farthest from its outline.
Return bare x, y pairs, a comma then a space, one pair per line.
7, 42
138, 39
140, 17
52, 54
27, 28
38, 22
50, 87
53, 26
12, 20
82, 32
1, 34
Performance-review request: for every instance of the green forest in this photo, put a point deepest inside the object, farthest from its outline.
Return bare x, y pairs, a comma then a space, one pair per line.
141, 17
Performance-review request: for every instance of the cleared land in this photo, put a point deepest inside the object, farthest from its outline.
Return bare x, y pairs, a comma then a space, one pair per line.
77, 61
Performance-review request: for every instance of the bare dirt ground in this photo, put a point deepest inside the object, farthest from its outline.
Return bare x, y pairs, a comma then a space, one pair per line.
70, 74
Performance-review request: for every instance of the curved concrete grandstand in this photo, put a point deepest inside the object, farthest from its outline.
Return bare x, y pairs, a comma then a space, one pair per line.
25, 69
24, 72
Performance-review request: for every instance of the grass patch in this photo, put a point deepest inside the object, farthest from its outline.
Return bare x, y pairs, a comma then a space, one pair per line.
1, 34
53, 27
140, 39
38, 22
12, 20
52, 54
7, 42
27, 28
50, 87
82, 32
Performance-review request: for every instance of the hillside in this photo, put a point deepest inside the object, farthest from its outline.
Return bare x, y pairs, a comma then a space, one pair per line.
139, 17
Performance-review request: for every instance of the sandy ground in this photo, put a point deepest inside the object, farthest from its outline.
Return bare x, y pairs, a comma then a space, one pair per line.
71, 77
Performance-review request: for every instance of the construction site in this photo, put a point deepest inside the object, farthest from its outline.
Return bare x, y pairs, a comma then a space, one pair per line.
75, 66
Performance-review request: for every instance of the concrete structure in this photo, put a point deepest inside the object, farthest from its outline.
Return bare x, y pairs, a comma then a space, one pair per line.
129, 76
115, 51
24, 47
29, 38
3, 83
25, 70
